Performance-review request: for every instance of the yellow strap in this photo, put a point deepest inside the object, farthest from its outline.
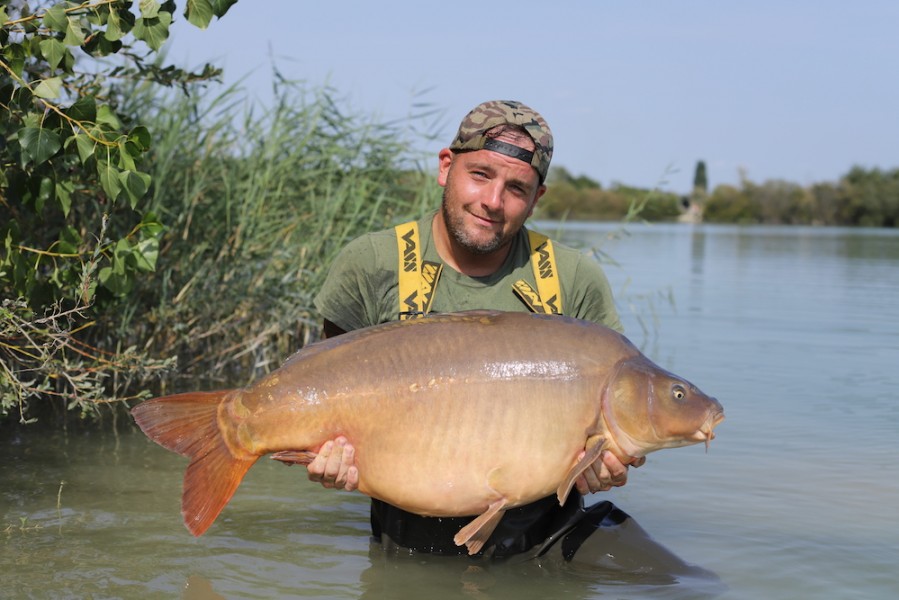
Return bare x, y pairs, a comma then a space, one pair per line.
418, 280
409, 248
528, 295
543, 261
430, 274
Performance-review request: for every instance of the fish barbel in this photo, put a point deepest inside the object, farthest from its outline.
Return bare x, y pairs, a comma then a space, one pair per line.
452, 415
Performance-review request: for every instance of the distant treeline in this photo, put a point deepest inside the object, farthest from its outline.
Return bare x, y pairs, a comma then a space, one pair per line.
863, 197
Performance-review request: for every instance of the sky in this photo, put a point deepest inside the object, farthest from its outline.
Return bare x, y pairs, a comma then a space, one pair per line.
635, 92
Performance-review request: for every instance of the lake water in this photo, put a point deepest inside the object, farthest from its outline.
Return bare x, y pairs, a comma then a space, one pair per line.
796, 332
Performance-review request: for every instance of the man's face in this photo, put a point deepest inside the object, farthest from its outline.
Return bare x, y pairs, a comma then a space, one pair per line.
487, 196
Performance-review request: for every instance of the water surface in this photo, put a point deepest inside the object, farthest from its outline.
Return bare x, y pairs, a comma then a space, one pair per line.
795, 330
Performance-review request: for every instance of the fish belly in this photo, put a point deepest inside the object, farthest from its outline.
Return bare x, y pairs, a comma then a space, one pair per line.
451, 448
440, 431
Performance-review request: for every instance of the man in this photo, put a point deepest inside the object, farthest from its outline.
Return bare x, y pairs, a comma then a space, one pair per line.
474, 253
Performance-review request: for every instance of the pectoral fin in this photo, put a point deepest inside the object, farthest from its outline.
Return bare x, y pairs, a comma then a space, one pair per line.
590, 457
475, 534
294, 457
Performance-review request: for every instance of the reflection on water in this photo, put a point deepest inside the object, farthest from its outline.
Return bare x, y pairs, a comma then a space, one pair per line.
795, 330
113, 529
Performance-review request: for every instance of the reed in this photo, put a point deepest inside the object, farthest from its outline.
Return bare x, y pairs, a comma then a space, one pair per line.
258, 202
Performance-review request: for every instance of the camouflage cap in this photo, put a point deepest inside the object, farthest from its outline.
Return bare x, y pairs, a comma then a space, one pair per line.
486, 116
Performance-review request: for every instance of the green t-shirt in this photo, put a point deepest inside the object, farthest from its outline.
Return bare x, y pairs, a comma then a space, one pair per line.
362, 286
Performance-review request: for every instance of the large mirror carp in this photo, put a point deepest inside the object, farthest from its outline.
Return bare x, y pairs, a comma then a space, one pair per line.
451, 415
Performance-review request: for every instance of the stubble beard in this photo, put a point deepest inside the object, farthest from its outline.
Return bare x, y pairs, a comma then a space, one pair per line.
455, 226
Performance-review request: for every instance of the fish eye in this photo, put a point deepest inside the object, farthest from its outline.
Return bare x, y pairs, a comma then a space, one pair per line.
678, 392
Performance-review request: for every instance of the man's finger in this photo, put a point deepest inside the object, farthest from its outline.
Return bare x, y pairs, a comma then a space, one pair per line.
341, 462
582, 486
598, 477
617, 471
316, 468
334, 463
352, 479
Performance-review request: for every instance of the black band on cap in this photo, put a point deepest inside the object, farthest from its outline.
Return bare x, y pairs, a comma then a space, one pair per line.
509, 150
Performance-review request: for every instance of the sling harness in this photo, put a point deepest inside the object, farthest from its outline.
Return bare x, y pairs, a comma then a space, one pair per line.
418, 279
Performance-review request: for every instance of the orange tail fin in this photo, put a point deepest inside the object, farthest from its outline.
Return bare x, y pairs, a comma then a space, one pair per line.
187, 424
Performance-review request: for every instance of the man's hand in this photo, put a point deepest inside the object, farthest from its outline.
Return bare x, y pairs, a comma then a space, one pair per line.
334, 466
604, 474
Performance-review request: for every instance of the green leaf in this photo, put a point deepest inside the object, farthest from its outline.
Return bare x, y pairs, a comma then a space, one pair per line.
84, 109
85, 146
120, 255
153, 31
140, 137
119, 22
15, 58
199, 13
126, 155
56, 19
150, 224
109, 179
54, 51
46, 191
64, 196
113, 26
220, 7
149, 9
74, 33
135, 185
69, 240
48, 88
107, 116
117, 278
145, 254
32, 119
38, 144
115, 281
98, 45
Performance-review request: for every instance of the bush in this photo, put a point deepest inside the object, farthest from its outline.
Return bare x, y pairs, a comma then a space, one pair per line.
125, 244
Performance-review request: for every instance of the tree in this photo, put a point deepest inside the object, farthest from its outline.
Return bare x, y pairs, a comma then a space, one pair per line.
73, 233
71, 182
870, 197
729, 204
700, 180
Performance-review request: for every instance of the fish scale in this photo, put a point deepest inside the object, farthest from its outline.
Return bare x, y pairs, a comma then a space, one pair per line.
465, 414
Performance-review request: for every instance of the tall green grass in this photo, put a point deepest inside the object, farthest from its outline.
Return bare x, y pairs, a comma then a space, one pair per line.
256, 201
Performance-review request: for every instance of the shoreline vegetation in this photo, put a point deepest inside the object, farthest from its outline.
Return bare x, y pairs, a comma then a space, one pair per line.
255, 203
860, 198
158, 235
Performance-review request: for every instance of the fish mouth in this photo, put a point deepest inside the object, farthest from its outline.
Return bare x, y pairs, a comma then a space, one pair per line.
706, 433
